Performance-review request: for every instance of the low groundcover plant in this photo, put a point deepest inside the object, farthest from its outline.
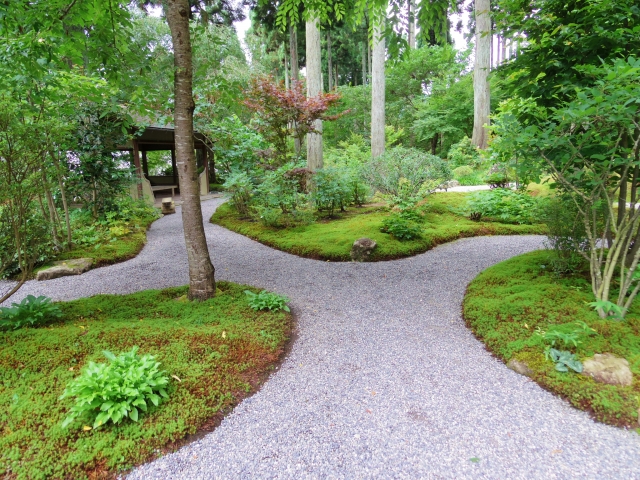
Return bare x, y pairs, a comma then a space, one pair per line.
119, 389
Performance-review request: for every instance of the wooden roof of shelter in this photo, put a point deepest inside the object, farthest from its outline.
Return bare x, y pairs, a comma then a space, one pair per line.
160, 138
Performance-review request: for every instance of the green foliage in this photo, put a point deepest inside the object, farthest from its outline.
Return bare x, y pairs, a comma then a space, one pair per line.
503, 204
508, 302
594, 166
267, 301
401, 228
31, 311
567, 237
417, 168
331, 190
215, 352
610, 309
568, 334
237, 145
354, 152
98, 177
462, 171
105, 393
564, 360
240, 188
269, 216
560, 40
332, 239
464, 153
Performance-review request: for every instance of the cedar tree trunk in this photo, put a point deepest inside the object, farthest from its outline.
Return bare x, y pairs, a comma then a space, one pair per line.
481, 94
377, 88
314, 88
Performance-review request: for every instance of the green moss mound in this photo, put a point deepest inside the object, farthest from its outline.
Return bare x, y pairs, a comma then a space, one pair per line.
217, 352
332, 239
505, 305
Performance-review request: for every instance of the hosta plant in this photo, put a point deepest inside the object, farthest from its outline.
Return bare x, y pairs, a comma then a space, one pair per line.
110, 392
564, 360
267, 301
30, 311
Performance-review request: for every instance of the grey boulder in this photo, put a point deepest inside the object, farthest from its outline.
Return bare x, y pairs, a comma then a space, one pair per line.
362, 248
65, 268
607, 368
520, 367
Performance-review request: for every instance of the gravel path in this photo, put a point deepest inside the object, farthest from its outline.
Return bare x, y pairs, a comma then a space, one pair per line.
384, 379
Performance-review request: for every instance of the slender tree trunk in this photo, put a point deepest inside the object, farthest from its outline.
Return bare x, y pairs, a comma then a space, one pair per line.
295, 71
481, 94
364, 64
286, 68
504, 50
201, 272
329, 62
377, 89
314, 88
411, 6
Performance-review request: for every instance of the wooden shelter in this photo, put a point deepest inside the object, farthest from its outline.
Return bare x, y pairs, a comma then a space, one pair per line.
155, 138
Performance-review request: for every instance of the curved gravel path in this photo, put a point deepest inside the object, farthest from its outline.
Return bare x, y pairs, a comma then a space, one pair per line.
384, 379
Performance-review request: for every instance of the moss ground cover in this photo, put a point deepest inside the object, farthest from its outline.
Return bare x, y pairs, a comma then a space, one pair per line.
508, 302
216, 352
332, 239
118, 248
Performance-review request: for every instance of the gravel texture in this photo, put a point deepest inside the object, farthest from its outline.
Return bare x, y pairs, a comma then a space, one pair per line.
383, 380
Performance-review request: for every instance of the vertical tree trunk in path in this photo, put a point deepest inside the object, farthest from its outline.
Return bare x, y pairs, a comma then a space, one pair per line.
201, 273
481, 94
412, 24
314, 88
377, 88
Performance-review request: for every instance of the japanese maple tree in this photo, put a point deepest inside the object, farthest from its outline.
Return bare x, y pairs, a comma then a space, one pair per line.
282, 113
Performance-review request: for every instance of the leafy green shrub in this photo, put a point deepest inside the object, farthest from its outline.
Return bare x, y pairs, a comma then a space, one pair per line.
111, 392
464, 153
503, 204
415, 166
279, 190
31, 311
269, 216
331, 190
497, 177
471, 180
463, 171
411, 215
240, 188
567, 236
267, 301
400, 228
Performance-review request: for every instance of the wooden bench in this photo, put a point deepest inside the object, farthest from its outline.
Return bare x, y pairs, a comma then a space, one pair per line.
159, 188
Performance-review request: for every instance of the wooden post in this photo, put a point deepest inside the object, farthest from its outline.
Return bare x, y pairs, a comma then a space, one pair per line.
136, 161
174, 168
205, 161
145, 166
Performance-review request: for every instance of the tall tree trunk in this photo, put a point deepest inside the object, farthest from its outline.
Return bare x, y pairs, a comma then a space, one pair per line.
314, 88
286, 67
481, 94
295, 70
412, 23
377, 88
201, 272
329, 62
364, 64
504, 50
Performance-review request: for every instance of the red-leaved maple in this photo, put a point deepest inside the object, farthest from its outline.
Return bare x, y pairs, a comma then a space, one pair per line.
283, 113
